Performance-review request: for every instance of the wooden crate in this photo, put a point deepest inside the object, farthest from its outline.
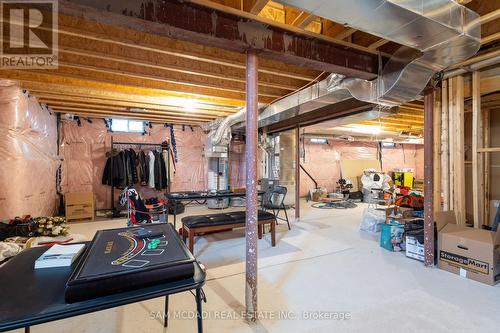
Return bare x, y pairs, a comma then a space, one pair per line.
79, 206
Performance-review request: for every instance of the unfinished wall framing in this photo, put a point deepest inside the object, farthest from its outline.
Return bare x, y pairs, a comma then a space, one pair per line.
465, 153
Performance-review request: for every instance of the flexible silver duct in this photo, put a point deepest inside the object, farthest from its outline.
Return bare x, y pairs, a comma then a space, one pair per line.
220, 129
435, 35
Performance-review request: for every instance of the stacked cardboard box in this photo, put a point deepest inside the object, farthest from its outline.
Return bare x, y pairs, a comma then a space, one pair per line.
471, 253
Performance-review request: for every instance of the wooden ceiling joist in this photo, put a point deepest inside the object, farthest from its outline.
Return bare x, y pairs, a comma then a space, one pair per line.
231, 29
172, 83
151, 97
82, 33
105, 112
52, 99
83, 106
254, 6
160, 120
67, 86
130, 102
84, 78
71, 55
345, 33
378, 44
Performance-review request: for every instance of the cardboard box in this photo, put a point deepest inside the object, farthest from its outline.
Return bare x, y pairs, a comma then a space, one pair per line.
468, 252
318, 194
79, 205
399, 214
414, 248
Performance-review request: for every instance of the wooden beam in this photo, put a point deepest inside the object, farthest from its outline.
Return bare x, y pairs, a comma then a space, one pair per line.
345, 33
489, 150
128, 113
491, 38
185, 81
229, 29
92, 114
159, 45
307, 19
459, 156
331, 28
452, 133
69, 55
193, 115
486, 157
254, 6
445, 144
62, 99
437, 151
483, 19
378, 44
477, 157
150, 97
83, 78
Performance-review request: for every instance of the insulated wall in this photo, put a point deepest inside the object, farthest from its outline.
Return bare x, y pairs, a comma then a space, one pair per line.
322, 160
84, 148
28, 150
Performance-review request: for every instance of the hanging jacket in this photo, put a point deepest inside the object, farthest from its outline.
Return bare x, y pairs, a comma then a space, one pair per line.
118, 171
144, 167
160, 172
133, 168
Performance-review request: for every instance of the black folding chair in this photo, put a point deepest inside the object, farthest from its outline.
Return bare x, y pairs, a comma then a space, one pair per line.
276, 203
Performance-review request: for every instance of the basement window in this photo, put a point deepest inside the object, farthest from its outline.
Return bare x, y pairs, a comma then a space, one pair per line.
127, 126
388, 144
319, 141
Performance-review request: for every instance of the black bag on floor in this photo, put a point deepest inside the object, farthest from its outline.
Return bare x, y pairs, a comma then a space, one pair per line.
175, 208
358, 195
28, 229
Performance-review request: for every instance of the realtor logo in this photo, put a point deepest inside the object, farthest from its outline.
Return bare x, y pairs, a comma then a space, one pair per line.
28, 34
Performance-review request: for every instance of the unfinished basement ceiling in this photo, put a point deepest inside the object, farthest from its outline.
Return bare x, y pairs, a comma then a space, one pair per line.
106, 70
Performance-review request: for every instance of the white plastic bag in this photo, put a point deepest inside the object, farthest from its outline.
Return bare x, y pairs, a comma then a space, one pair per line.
372, 218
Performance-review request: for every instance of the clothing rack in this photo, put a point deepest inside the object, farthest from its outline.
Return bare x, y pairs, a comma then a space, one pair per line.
137, 144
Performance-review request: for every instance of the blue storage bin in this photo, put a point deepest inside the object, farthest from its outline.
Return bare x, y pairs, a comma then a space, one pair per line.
391, 236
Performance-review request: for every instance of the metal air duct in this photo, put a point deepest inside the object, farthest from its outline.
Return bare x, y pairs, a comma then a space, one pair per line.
434, 33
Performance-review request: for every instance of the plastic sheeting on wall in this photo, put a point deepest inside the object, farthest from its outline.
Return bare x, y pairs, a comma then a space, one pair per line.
28, 146
237, 164
322, 161
85, 147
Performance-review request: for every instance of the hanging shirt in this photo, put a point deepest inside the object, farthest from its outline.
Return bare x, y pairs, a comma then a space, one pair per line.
164, 153
151, 180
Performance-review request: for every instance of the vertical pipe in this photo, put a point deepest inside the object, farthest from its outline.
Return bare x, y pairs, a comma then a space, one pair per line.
429, 177
251, 184
297, 172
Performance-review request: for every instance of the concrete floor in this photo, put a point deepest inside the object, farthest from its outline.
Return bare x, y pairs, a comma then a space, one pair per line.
323, 276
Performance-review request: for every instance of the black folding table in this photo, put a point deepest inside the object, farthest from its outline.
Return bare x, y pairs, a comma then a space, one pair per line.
29, 297
175, 197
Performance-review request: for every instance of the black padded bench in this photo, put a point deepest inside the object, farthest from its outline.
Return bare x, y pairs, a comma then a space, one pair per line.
197, 224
